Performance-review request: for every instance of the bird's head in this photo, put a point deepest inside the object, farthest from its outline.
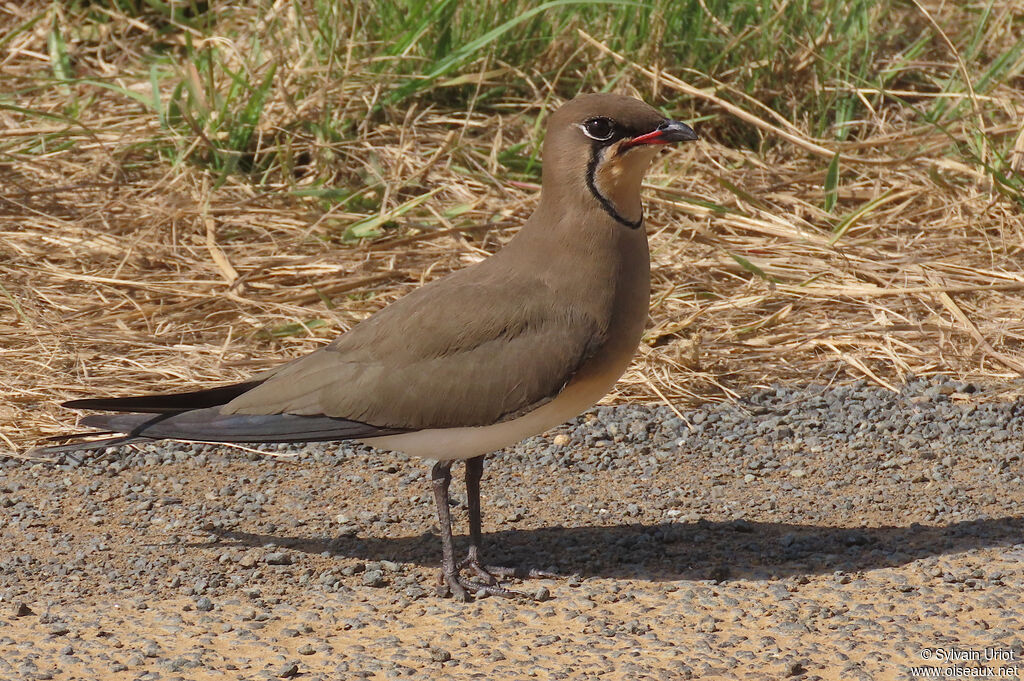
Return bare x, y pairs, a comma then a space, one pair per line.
599, 146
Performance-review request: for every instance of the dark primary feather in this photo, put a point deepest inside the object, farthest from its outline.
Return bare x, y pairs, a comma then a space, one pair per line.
209, 425
79, 446
161, 404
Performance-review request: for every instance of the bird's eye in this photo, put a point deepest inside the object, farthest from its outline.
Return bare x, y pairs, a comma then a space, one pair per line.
600, 129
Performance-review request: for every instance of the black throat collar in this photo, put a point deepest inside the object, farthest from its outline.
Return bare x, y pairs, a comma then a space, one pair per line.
606, 205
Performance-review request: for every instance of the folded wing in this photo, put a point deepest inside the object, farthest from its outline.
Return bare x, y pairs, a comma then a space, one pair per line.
492, 351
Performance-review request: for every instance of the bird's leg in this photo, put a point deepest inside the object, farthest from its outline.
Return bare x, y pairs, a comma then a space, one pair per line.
440, 479
474, 472
489, 573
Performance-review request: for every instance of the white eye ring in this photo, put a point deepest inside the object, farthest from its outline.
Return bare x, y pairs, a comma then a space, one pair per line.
611, 129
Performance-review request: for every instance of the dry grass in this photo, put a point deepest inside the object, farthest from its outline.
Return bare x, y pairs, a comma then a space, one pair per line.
121, 272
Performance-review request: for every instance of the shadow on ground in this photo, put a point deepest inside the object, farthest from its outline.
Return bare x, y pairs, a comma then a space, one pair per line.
680, 551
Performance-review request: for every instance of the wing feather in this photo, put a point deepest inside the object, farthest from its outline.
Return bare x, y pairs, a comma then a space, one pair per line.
165, 403
494, 349
210, 425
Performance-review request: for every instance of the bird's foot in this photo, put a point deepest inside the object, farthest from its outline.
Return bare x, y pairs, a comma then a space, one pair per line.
489, 577
491, 573
461, 588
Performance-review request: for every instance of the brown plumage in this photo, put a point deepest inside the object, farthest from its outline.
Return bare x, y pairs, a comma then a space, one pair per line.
484, 357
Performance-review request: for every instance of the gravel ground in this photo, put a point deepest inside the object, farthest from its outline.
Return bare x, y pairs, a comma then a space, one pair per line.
815, 533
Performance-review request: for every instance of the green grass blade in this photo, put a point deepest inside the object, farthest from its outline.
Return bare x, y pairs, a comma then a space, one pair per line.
60, 62
154, 89
752, 268
410, 37
249, 118
294, 329
22, 28
16, 305
369, 227
145, 99
463, 53
853, 218
832, 184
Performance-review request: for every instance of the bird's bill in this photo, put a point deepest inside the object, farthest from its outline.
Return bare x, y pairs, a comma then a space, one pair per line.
666, 133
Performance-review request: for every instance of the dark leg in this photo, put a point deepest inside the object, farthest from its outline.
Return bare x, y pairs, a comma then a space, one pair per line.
474, 472
490, 573
441, 478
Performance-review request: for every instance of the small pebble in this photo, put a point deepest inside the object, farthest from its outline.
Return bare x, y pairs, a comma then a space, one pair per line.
278, 558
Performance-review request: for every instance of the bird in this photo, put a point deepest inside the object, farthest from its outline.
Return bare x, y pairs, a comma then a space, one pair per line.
473, 362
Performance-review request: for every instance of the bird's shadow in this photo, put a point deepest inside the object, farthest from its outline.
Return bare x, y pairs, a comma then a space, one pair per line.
681, 551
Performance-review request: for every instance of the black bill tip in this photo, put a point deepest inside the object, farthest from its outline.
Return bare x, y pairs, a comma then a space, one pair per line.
668, 132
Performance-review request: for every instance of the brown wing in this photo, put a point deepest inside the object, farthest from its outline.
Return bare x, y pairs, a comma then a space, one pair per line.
466, 350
